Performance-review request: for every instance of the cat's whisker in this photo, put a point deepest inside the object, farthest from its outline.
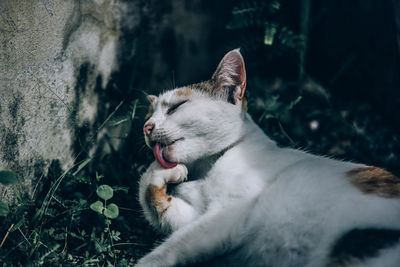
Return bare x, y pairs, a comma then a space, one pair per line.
143, 147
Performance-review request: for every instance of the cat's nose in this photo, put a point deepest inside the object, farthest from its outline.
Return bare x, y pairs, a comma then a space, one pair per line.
148, 128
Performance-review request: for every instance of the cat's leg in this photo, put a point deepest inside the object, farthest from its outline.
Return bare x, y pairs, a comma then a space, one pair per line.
212, 234
162, 210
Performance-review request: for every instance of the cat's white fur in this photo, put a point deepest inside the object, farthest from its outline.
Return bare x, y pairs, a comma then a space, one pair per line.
253, 203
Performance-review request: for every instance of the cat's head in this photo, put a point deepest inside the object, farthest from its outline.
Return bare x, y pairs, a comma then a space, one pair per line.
194, 121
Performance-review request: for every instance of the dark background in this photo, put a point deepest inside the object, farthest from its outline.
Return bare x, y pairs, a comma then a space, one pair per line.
341, 57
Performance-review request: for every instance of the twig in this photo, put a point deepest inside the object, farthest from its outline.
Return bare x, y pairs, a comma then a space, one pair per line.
24, 236
6, 235
66, 240
43, 244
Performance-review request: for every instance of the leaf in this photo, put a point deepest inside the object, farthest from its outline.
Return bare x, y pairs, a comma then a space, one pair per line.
269, 116
18, 195
121, 188
269, 33
17, 225
4, 210
97, 206
115, 235
86, 262
8, 178
81, 166
99, 176
111, 211
50, 251
294, 102
275, 5
105, 192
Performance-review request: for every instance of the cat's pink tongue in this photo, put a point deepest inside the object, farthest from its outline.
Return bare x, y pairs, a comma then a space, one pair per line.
160, 158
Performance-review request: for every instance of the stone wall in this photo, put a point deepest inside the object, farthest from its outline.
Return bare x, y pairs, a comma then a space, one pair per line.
54, 55
66, 64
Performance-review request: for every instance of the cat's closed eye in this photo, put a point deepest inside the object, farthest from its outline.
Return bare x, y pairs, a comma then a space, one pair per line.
174, 107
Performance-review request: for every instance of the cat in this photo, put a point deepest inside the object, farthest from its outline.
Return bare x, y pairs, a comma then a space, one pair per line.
248, 202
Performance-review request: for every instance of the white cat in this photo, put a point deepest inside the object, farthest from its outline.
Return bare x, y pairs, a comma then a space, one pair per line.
249, 202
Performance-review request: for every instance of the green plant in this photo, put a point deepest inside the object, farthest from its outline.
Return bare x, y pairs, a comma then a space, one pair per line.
259, 24
70, 220
273, 108
110, 211
7, 178
58, 227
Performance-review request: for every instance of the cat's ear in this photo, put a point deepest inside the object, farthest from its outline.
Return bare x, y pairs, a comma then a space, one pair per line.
230, 77
151, 98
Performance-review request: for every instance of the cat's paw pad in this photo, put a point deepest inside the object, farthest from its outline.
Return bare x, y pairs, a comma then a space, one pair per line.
178, 174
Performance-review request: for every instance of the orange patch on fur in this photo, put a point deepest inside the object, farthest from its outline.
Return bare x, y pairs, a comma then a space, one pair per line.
158, 199
244, 104
372, 180
186, 91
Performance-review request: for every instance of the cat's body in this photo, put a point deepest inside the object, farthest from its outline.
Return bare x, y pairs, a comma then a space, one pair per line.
251, 203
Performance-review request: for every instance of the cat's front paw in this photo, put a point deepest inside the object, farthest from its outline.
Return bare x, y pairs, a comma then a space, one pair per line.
153, 194
178, 175
161, 176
